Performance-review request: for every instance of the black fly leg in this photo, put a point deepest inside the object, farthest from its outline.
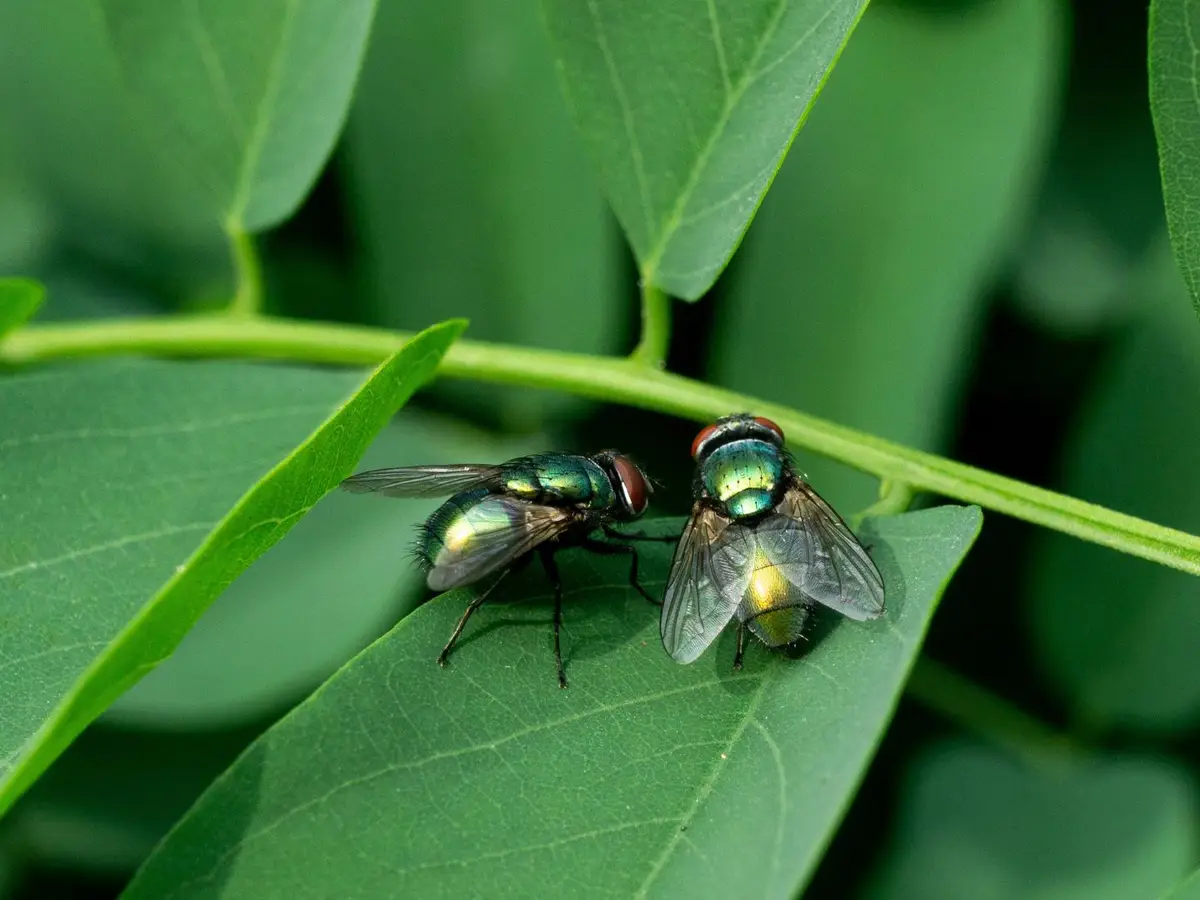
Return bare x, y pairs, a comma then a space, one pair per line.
639, 536
462, 623
741, 646
551, 567
611, 549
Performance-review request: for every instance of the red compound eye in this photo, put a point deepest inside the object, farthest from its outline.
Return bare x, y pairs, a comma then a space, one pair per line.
633, 482
703, 436
767, 423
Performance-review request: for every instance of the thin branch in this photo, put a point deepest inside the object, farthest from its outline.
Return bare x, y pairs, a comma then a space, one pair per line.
613, 381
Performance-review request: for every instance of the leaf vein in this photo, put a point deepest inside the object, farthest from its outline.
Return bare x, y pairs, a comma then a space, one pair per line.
126, 541
214, 70
488, 746
262, 121
635, 148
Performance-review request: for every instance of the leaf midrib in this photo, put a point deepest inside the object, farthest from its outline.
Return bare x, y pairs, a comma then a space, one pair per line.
704, 789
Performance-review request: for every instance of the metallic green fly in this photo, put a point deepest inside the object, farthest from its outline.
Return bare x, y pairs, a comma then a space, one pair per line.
761, 545
501, 515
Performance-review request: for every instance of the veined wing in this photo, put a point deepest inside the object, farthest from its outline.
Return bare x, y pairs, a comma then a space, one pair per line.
490, 535
751, 565
423, 481
817, 552
698, 604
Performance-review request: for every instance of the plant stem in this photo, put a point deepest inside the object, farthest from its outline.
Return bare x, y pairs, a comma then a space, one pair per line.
992, 717
614, 381
656, 328
894, 497
248, 294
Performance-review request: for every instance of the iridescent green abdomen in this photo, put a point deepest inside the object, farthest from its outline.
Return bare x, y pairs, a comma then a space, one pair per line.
558, 478
745, 476
459, 521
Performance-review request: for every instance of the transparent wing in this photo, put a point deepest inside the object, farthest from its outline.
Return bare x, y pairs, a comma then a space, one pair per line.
492, 534
422, 481
816, 551
698, 603
750, 563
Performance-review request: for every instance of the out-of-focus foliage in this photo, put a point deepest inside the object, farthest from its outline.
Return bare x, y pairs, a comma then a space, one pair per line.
975, 823
474, 194
1119, 637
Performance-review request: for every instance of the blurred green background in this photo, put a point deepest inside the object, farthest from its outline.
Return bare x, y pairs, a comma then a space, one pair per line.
965, 251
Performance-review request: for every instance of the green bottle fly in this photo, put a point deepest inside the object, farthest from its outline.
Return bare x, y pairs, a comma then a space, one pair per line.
761, 544
500, 515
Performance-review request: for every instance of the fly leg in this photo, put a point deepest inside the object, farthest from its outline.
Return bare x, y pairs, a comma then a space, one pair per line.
639, 536
462, 623
551, 567
741, 647
610, 549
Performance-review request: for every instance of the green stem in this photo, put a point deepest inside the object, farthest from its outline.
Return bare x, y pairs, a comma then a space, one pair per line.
978, 710
656, 328
614, 381
248, 294
894, 498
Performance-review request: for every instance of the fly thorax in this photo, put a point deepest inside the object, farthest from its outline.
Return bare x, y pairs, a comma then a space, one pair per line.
560, 479
603, 495
745, 476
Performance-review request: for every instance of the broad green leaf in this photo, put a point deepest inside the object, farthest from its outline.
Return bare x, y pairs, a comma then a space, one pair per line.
133, 493
64, 109
474, 194
644, 778
19, 300
873, 253
1188, 890
336, 582
975, 823
1118, 635
688, 109
247, 95
1175, 102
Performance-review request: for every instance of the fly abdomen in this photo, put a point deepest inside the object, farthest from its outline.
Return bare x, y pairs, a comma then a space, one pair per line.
452, 526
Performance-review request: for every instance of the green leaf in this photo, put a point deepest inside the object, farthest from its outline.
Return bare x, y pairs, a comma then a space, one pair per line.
494, 214
251, 653
975, 823
1117, 635
133, 494
1175, 103
19, 300
62, 104
247, 95
1187, 890
925, 172
688, 110
644, 778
